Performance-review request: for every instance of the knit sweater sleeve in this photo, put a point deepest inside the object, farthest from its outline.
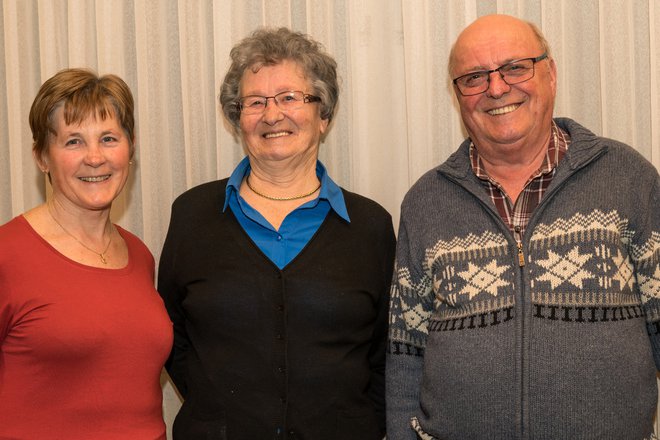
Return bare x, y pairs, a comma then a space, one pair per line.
411, 305
646, 260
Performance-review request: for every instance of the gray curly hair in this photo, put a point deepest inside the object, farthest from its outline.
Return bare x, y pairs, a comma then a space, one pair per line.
267, 47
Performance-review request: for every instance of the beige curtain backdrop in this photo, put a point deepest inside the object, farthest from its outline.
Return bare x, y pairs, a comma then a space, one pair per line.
397, 117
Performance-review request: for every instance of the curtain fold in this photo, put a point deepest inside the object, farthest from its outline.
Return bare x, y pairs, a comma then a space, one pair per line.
397, 117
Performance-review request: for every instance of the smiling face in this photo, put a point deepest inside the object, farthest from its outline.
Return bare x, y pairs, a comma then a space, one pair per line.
506, 118
276, 135
88, 163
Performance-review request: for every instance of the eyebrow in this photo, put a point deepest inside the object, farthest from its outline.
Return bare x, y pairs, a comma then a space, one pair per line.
482, 68
264, 95
79, 134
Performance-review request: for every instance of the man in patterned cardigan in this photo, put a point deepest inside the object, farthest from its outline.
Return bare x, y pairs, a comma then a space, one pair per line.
526, 298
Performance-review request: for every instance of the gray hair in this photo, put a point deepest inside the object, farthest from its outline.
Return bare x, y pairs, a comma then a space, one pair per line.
267, 47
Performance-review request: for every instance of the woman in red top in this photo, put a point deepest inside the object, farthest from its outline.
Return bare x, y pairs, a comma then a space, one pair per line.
83, 333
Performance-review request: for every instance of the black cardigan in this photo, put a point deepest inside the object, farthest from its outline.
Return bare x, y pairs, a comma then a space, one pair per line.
264, 353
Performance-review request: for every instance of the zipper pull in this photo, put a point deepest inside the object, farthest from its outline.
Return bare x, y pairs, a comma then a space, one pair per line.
521, 255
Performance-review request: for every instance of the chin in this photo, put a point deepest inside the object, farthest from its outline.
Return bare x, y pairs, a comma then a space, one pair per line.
506, 135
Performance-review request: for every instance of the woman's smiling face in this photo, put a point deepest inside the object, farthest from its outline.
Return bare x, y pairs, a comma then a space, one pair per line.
88, 163
275, 135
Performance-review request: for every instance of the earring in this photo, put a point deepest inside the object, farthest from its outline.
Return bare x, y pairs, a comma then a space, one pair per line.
130, 162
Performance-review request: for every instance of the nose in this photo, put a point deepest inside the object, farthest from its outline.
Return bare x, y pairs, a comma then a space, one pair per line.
272, 112
496, 85
94, 156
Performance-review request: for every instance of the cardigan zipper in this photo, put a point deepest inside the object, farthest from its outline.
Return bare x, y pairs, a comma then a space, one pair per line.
521, 255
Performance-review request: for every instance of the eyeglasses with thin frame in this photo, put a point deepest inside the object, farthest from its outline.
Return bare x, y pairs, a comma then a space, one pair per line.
514, 72
285, 101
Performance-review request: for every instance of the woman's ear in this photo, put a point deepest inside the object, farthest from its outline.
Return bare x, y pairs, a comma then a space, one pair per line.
41, 161
324, 125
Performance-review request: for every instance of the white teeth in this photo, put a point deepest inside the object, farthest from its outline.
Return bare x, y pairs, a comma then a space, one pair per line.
95, 178
503, 110
278, 134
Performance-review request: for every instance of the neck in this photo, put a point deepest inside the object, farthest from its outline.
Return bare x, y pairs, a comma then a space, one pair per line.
92, 224
281, 198
283, 180
511, 166
513, 161
90, 243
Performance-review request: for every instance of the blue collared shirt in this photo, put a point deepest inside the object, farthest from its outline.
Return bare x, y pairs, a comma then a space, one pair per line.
299, 226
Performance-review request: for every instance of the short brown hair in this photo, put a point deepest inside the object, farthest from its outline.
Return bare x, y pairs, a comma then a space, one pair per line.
267, 47
82, 93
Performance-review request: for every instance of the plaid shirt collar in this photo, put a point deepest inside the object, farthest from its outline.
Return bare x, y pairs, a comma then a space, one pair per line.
559, 141
517, 216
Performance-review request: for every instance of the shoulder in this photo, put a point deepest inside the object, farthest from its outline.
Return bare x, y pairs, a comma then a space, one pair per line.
199, 203
358, 205
369, 220
10, 238
135, 245
210, 192
429, 188
432, 184
13, 232
11, 226
197, 209
131, 239
621, 157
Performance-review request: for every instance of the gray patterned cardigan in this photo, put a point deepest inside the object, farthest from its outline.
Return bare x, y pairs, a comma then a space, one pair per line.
563, 345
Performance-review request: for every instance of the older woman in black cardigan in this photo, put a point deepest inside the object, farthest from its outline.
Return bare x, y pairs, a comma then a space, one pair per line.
276, 279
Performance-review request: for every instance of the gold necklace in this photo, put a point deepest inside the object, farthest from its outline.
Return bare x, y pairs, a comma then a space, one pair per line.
101, 254
280, 199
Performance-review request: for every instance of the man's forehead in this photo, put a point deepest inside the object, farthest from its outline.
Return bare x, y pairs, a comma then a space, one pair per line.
490, 51
494, 25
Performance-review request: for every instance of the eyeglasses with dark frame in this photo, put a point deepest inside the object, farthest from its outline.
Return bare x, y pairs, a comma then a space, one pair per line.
514, 72
285, 101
